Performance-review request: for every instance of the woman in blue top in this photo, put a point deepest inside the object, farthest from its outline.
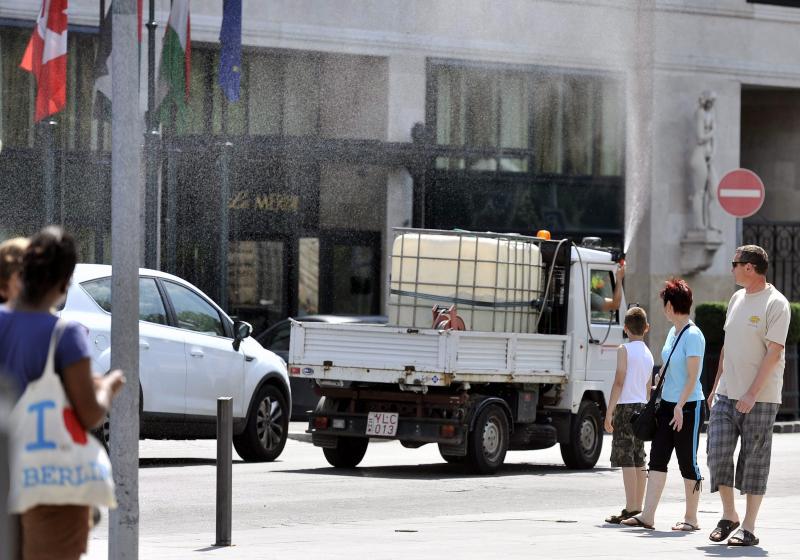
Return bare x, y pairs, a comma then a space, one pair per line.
680, 413
26, 325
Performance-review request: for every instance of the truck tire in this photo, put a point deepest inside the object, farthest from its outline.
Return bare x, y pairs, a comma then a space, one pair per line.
488, 441
585, 438
348, 452
267, 429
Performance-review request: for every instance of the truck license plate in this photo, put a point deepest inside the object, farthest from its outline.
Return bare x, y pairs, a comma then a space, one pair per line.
382, 423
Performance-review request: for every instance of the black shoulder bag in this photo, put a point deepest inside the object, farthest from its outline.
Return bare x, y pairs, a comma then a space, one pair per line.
644, 423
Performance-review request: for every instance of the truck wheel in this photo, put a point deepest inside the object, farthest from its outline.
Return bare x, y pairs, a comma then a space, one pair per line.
348, 452
585, 438
452, 459
267, 429
488, 442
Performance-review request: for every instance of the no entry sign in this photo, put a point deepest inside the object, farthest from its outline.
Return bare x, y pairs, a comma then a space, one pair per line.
741, 193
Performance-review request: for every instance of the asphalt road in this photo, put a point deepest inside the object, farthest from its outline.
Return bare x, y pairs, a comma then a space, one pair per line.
296, 499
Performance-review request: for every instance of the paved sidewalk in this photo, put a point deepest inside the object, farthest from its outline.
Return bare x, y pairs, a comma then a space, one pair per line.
560, 534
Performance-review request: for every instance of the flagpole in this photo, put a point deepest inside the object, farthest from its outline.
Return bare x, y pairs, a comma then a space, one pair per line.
126, 154
48, 129
151, 145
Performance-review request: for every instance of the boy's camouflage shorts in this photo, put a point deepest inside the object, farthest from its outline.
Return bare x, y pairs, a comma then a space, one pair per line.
626, 449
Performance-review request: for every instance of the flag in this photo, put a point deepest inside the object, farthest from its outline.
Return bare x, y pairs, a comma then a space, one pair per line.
102, 62
230, 59
176, 57
46, 58
102, 69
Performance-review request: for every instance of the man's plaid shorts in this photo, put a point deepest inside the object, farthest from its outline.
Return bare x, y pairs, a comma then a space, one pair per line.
725, 428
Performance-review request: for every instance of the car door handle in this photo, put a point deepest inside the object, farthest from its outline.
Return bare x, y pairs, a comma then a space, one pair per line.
144, 345
196, 352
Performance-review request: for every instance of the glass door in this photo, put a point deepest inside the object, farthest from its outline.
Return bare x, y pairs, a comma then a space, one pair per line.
258, 280
350, 273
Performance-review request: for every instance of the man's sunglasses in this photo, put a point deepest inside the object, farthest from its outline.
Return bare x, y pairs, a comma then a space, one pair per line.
734, 263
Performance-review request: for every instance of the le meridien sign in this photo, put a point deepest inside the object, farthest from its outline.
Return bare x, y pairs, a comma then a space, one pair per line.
741, 193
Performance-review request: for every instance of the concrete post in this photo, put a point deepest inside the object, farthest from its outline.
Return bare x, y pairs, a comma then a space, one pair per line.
224, 470
126, 156
7, 538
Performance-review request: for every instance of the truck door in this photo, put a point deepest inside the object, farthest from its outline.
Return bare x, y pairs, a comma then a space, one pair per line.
605, 323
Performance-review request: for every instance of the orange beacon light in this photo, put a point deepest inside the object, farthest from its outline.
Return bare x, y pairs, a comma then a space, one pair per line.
543, 234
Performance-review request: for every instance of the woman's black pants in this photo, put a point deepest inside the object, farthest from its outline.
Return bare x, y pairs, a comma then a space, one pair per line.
684, 443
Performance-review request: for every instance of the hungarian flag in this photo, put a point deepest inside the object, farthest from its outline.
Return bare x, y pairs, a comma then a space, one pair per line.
46, 58
176, 61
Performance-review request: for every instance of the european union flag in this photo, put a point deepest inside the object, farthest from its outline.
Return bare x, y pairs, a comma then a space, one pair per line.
230, 60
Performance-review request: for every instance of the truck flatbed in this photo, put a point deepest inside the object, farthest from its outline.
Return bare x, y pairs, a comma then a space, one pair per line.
424, 357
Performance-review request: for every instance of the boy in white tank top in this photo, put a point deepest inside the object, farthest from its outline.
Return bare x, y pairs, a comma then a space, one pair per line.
629, 394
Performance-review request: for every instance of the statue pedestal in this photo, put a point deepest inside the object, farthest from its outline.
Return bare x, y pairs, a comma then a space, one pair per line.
698, 248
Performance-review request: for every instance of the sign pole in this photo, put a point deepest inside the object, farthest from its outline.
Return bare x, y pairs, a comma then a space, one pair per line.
126, 156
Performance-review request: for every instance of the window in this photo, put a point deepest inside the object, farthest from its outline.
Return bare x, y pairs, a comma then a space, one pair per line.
193, 312
151, 306
278, 340
573, 123
100, 291
601, 292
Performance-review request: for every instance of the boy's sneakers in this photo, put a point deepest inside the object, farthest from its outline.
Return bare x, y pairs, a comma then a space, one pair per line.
624, 514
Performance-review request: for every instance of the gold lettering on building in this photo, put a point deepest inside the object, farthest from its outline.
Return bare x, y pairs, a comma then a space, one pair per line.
276, 202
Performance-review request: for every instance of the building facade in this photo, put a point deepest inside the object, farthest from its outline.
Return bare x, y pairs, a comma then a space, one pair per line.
356, 116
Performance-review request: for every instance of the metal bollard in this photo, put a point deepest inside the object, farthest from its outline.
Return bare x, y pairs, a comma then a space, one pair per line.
7, 536
224, 470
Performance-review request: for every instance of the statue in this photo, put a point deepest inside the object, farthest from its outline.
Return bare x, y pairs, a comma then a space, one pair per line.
702, 239
704, 178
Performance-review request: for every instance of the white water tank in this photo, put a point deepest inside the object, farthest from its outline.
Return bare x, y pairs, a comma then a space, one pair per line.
492, 279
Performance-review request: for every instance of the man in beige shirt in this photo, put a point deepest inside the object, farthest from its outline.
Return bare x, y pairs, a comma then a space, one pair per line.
748, 389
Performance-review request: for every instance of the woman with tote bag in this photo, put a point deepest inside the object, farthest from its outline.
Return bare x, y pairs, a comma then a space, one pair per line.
679, 415
58, 471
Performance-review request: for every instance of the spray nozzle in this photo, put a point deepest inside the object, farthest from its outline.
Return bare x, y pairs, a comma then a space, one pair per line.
618, 256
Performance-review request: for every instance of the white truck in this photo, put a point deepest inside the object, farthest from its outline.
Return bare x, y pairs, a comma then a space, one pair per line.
540, 372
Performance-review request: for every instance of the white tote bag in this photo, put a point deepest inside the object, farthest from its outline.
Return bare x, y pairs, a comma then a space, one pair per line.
53, 460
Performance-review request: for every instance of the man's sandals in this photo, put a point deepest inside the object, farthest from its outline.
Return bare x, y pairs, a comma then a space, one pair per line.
743, 537
624, 514
723, 529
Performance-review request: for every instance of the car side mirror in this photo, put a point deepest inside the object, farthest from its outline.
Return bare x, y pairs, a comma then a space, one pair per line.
241, 330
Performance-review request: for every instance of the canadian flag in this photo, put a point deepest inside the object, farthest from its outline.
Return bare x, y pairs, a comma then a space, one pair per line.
46, 58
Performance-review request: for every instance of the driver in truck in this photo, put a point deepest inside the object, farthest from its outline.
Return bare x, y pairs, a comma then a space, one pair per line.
598, 301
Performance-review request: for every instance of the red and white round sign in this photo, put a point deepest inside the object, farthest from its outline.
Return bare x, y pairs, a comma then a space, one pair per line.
741, 193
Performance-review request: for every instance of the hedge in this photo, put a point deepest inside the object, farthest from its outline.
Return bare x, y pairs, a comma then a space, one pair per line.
710, 318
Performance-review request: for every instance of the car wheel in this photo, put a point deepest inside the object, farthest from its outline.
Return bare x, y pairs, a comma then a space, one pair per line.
348, 452
267, 428
488, 442
585, 438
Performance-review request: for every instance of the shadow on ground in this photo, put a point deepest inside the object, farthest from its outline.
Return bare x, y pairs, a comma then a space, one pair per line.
725, 551
434, 471
161, 462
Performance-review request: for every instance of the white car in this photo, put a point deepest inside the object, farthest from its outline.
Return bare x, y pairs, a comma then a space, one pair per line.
191, 353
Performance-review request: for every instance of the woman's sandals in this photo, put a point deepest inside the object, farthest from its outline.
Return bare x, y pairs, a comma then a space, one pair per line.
624, 514
723, 529
637, 523
685, 526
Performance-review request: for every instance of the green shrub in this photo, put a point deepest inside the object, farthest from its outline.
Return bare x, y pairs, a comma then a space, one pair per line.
793, 336
710, 318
